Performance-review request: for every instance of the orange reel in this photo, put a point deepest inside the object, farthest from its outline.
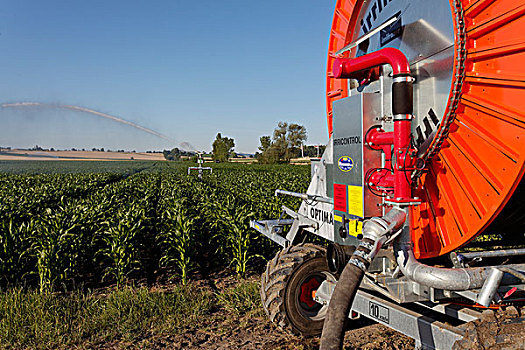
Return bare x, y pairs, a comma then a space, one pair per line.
476, 160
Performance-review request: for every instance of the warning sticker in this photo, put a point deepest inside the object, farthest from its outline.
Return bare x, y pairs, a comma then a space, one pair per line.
355, 227
355, 200
340, 197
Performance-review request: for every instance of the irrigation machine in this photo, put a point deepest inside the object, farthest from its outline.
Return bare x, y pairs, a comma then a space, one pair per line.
420, 192
200, 169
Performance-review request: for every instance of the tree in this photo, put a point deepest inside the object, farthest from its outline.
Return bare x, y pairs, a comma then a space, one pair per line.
176, 154
287, 139
296, 136
266, 143
222, 148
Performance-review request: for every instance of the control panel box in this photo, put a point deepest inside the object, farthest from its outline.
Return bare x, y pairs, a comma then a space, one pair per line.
353, 160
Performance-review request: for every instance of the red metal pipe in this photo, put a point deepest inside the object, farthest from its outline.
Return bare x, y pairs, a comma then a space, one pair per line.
376, 137
344, 68
382, 178
402, 184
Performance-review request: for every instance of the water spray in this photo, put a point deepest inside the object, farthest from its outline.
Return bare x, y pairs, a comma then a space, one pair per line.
86, 110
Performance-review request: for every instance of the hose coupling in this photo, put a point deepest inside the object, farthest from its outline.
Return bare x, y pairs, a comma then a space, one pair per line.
364, 254
376, 233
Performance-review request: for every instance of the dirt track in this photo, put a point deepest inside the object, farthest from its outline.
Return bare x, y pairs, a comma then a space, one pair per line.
259, 334
495, 331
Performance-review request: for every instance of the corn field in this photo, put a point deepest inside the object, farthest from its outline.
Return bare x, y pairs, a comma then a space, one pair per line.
64, 231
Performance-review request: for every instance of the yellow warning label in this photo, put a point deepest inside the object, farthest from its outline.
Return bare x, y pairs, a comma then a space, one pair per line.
355, 200
355, 227
338, 218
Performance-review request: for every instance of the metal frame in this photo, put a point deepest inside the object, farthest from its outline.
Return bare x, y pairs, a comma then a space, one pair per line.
419, 320
404, 305
274, 228
425, 330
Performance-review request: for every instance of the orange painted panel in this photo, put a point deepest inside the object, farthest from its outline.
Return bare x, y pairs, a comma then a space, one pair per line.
342, 22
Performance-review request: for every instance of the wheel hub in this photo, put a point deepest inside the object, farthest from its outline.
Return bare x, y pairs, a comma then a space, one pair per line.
308, 287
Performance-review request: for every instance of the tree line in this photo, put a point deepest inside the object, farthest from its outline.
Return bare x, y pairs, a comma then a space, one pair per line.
287, 142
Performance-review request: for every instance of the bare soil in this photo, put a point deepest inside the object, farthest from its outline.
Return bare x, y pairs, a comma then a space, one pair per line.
501, 329
223, 330
258, 333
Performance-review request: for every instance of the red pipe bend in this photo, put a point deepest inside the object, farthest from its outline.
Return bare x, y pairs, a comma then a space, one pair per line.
378, 137
344, 68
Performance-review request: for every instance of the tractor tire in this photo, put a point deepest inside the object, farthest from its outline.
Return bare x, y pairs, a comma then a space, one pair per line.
287, 288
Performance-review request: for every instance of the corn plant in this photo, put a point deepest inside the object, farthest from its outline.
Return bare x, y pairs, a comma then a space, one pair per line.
54, 247
89, 226
121, 247
14, 242
176, 239
232, 225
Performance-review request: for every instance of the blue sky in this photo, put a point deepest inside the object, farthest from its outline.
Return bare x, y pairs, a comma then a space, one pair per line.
187, 69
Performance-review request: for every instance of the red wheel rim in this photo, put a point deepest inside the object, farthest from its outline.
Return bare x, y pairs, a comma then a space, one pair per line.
307, 288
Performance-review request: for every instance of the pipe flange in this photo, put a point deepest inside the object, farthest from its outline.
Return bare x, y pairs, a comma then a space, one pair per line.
403, 79
399, 117
373, 229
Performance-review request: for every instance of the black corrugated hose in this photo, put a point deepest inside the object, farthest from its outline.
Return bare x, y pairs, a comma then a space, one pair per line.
343, 297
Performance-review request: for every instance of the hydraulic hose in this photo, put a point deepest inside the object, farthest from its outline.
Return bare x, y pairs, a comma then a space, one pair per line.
375, 233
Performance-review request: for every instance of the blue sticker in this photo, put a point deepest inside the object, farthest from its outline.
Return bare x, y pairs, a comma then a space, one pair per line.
345, 163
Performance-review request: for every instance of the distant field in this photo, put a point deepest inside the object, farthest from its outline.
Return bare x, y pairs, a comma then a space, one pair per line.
29, 167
